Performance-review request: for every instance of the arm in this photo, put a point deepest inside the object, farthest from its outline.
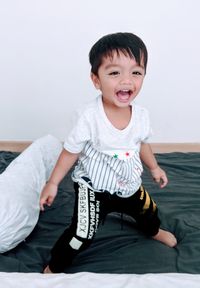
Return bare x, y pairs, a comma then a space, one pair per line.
149, 160
63, 165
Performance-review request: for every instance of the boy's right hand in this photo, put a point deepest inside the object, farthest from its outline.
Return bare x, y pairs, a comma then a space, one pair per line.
48, 195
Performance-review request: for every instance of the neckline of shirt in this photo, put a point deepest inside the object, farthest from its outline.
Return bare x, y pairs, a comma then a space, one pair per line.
107, 121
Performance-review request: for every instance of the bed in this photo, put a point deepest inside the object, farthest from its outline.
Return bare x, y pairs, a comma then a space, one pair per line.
120, 255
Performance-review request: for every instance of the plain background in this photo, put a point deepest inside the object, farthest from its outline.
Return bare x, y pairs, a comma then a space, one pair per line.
45, 74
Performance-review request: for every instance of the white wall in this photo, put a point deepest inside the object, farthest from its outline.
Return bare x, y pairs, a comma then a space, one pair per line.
44, 70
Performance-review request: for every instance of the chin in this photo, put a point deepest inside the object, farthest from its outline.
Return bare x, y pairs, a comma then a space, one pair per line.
122, 104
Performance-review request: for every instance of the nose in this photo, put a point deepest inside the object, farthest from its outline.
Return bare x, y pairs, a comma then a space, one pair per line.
126, 79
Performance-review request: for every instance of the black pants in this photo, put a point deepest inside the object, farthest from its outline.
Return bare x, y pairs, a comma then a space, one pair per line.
90, 209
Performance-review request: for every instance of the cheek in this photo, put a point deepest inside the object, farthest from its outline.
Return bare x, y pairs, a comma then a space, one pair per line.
103, 85
139, 84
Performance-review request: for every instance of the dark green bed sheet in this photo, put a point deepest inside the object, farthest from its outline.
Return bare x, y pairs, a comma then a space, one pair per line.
118, 246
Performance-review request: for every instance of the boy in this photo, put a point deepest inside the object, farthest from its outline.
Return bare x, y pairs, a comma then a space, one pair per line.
109, 140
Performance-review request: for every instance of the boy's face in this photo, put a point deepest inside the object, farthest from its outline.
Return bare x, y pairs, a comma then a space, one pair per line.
119, 78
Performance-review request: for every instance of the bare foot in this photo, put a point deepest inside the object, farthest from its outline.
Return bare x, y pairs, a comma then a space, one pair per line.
166, 237
47, 270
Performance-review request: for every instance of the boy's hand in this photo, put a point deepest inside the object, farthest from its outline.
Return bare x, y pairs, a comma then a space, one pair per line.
159, 176
48, 195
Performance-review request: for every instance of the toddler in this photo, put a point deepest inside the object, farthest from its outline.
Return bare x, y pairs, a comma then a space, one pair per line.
110, 142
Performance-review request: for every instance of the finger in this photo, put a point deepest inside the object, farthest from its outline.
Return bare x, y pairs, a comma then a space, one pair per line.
162, 185
42, 203
49, 200
163, 182
157, 180
41, 207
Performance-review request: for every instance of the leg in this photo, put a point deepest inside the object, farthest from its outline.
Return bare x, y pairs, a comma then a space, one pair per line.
81, 232
144, 210
150, 208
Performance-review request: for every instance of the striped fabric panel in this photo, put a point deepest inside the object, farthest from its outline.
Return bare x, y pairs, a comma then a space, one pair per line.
109, 173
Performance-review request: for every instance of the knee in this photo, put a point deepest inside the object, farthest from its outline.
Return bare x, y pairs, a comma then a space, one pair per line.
77, 243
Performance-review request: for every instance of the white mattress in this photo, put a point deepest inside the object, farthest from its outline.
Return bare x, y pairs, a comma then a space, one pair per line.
94, 280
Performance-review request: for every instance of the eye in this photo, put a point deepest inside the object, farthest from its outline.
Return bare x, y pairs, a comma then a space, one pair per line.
114, 73
137, 73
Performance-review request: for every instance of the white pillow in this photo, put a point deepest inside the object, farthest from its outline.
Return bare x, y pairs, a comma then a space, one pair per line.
20, 187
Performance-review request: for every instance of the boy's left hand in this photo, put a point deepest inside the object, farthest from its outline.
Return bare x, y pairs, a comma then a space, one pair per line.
159, 176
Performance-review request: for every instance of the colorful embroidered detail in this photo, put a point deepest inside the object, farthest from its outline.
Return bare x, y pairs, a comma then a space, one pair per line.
121, 154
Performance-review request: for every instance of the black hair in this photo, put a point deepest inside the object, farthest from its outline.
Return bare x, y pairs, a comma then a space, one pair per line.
127, 43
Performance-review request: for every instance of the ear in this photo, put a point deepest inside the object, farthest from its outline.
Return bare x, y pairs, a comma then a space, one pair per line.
95, 80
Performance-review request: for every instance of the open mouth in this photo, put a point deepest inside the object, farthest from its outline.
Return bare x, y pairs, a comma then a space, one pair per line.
124, 95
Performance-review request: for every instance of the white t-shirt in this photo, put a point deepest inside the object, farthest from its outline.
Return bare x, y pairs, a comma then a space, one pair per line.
109, 156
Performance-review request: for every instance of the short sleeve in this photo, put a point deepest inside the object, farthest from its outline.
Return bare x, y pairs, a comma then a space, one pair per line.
78, 135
